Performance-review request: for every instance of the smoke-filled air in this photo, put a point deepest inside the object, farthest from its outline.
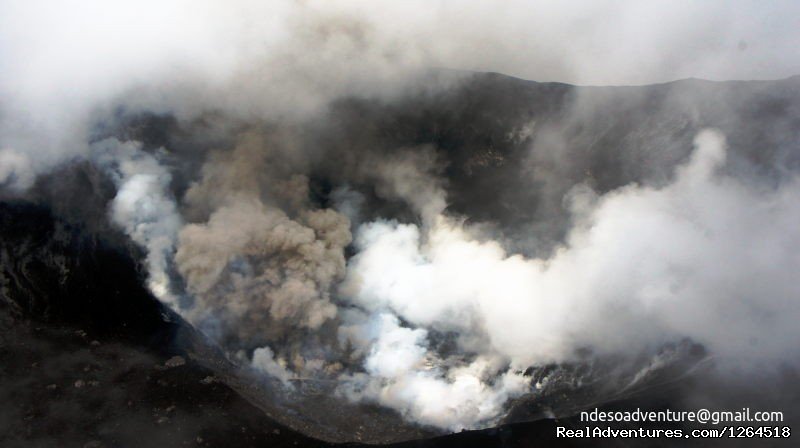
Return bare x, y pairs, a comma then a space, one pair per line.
346, 195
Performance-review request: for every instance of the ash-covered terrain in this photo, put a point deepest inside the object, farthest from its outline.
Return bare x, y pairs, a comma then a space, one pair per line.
477, 253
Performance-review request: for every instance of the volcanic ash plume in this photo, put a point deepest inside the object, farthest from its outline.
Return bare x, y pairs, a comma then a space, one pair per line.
250, 265
249, 262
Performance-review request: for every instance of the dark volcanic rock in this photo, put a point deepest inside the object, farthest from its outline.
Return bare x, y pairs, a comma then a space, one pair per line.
83, 350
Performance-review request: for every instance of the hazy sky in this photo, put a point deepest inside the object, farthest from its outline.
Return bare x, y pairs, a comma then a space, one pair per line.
589, 42
59, 60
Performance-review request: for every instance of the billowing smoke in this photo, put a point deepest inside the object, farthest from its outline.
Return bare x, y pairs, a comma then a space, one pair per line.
250, 262
143, 208
293, 212
705, 257
403, 373
259, 256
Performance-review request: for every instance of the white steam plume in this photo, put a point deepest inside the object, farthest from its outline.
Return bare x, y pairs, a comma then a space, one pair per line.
706, 257
143, 208
403, 374
264, 360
